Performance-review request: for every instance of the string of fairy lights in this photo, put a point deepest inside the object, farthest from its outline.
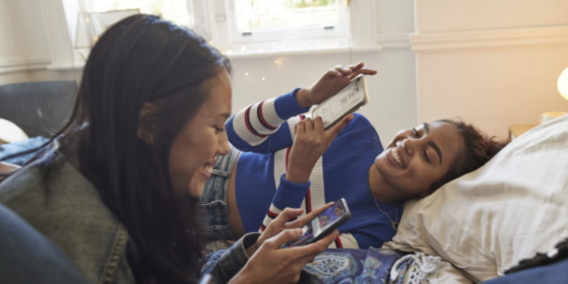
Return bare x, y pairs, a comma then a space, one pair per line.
246, 53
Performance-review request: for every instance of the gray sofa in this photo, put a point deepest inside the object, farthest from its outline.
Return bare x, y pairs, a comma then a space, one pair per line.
38, 108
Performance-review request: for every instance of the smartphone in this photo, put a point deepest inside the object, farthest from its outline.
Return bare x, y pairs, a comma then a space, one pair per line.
323, 224
346, 101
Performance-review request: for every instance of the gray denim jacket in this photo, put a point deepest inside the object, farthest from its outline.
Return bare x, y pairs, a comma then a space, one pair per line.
73, 215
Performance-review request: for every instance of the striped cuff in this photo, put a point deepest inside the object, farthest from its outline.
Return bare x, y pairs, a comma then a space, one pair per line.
287, 106
273, 212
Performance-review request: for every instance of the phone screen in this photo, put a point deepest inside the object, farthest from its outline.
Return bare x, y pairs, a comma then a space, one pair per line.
318, 225
340, 104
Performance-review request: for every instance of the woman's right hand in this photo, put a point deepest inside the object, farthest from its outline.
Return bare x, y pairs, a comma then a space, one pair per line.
271, 263
330, 83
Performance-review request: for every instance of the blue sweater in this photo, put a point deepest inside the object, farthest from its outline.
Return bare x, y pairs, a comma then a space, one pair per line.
263, 132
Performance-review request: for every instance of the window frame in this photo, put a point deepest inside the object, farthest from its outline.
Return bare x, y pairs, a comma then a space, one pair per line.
339, 31
210, 20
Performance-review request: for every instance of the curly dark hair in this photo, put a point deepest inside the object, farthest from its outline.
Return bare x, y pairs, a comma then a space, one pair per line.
479, 148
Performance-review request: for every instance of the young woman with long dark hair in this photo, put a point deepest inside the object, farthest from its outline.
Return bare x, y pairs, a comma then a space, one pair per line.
117, 189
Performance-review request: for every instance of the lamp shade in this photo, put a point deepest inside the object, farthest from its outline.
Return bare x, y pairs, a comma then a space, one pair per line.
563, 84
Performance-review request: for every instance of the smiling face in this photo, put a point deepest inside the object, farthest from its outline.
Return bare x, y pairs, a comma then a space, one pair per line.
414, 160
192, 155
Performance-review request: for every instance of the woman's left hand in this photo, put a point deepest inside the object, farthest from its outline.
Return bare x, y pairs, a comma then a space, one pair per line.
281, 223
330, 83
309, 145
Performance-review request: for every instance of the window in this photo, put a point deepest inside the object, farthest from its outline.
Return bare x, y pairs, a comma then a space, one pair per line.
236, 26
172, 10
285, 20
259, 15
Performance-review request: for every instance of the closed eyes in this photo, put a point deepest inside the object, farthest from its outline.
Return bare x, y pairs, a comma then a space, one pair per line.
426, 156
415, 132
417, 135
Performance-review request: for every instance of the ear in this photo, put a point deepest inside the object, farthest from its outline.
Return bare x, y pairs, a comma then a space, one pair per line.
146, 130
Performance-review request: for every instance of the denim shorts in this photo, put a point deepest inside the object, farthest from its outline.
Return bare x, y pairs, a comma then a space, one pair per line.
214, 198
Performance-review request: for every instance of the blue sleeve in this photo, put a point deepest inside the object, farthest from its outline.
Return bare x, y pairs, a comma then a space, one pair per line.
290, 194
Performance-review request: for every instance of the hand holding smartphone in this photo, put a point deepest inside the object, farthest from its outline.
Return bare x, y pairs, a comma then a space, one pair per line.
346, 101
323, 224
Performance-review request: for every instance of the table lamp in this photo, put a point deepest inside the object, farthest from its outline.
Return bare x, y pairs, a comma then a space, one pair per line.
563, 89
563, 84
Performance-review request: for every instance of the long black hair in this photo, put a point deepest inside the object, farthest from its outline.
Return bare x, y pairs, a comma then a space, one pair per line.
144, 59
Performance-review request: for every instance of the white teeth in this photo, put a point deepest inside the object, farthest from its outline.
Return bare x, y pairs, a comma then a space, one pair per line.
207, 169
396, 157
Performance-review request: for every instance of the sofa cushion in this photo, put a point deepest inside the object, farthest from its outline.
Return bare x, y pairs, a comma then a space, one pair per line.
549, 274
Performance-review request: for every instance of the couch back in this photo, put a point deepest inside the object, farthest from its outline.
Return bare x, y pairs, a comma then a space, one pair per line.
38, 108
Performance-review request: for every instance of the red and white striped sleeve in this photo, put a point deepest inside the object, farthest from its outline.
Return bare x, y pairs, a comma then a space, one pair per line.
273, 212
256, 122
266, 126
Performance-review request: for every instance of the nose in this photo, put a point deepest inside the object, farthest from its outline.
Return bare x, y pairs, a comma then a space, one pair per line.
408, 145
224, 147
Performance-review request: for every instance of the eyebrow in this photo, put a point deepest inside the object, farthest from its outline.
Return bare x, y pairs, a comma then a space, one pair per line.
432, 143
224, 115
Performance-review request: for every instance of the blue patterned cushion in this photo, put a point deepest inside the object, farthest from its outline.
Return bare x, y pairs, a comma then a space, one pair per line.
350, 266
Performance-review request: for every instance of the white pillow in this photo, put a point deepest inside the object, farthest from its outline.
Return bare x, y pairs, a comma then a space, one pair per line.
9, 132
511, 208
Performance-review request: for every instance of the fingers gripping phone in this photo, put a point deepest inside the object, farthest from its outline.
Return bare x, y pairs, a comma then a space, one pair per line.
322, 225
346, 101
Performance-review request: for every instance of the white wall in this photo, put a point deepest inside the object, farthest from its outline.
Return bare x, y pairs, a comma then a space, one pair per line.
24, 44
394, 16
9, 58
29, 29
448, 15
8, 46
492, 63
393, 104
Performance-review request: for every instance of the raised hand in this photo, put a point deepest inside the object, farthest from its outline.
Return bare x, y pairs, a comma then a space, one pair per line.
332, 81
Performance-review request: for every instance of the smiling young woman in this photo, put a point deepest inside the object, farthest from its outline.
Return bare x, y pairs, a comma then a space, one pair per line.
414, 160
295, 163
118, 188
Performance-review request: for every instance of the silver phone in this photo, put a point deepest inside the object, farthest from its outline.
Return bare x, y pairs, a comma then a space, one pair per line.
346, 101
